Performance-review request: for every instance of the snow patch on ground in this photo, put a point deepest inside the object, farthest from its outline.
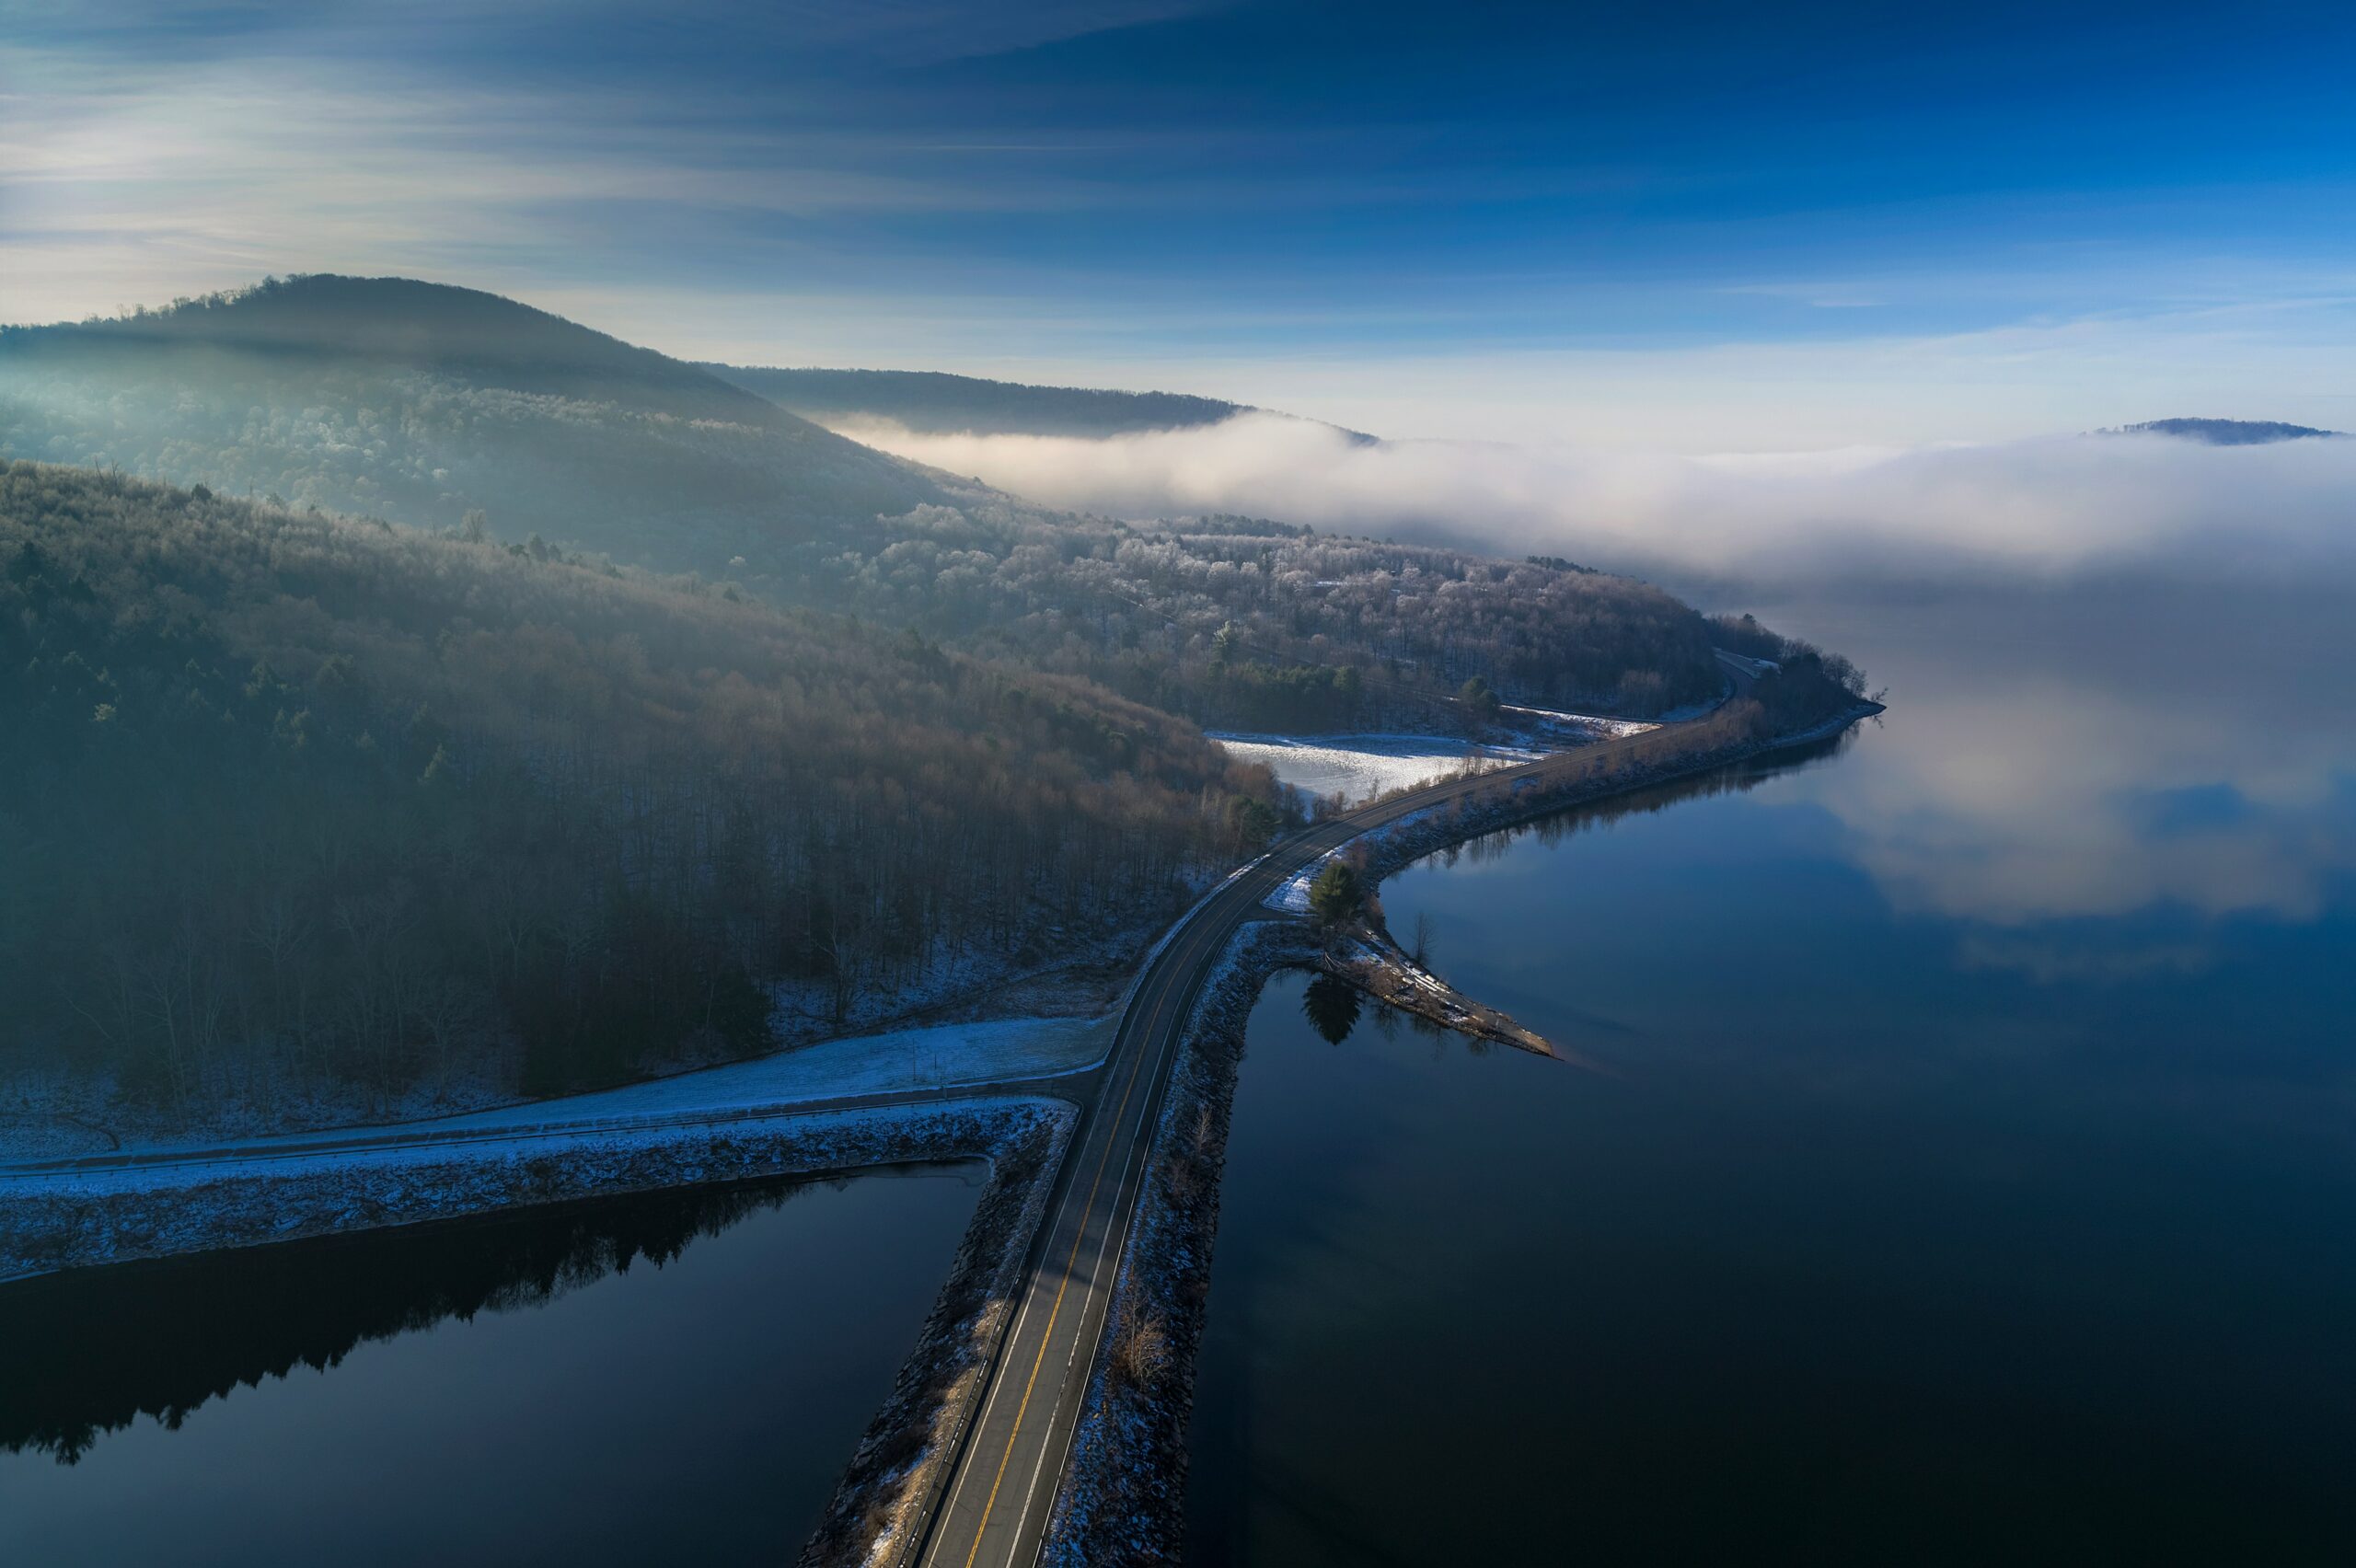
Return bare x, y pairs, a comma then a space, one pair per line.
50, 1115
1359, 767
1551, 727
1293, 896
949, 1056
1377, 838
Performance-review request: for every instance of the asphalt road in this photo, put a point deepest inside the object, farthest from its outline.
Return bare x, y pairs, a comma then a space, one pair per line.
995, 1507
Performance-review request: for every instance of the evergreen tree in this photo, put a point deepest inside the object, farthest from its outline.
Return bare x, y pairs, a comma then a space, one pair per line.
1336, 895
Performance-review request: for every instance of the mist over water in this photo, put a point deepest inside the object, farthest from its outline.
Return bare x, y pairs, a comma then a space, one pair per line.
2061, 508
2120, 661
1968, 1179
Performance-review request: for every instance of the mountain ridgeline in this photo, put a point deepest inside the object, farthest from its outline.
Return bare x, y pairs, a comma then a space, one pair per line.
454, 410
409, 692
422, 404
935, 403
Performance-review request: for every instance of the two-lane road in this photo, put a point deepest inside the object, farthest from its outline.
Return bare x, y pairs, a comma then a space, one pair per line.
995, 1508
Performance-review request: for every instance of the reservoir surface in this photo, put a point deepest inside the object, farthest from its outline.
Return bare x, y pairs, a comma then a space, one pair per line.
675, 1377
1960, 1166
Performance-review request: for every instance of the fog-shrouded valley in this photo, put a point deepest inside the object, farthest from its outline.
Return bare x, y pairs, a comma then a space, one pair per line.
447, 409
422, 704
1176, 786
727, 732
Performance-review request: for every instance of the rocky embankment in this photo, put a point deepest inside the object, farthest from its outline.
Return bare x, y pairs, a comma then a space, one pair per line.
61, 1220
1367, 958
1124, 1489
895, 1474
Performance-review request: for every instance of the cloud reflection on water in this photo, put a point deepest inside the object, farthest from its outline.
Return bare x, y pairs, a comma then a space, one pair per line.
2159, 758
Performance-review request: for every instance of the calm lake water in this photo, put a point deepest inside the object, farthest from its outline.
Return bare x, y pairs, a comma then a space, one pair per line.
1963, 1169
672, 1379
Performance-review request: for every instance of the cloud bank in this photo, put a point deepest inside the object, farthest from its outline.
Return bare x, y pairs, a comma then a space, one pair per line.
2052, 509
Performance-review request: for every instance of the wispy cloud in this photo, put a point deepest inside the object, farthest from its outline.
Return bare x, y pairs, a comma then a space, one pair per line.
121, 185
1417, 225
899, 32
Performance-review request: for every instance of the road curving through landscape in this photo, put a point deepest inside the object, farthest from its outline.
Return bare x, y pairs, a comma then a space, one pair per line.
995, 1508
996, 1501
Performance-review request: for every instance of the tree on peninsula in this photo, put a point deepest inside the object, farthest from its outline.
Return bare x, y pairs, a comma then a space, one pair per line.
1336, 895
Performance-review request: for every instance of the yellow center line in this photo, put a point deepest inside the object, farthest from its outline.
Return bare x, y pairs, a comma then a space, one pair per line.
1055, 1311
1046, 1335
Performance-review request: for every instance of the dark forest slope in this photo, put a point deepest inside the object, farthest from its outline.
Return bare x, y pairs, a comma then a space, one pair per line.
288, 798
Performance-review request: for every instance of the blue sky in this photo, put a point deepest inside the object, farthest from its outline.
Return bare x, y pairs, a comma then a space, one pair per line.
1705, 227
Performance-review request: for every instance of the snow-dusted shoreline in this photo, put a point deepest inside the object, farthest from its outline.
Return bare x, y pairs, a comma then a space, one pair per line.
74, 1220
945, 1058
71, 1220
894, 1476
1122, 1496
714, 1123
1396, 843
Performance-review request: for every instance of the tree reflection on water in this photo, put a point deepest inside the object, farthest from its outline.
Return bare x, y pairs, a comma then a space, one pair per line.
92, 1351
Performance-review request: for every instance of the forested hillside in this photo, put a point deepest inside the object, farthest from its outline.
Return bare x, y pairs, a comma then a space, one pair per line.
459, 411
649, 715
1808, 686
423, 403
1285, 630
290, 798
936, 402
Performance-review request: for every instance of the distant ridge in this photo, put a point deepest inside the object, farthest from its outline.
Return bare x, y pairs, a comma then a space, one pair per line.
421, 403
932, 402
458, 412
2223, 433
477, 338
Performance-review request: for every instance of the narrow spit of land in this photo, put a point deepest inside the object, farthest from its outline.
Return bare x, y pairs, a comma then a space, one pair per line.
996, 1501
1370, 961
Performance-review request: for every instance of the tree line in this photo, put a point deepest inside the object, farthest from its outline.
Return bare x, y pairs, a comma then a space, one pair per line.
291, 798
452, 410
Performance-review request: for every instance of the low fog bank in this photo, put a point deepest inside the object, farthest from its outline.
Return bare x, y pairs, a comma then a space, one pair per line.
2054, 509
2121, 719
